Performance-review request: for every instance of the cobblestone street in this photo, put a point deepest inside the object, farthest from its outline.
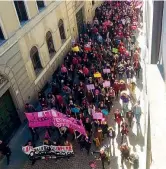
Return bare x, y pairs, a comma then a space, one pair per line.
81, 160
135, 138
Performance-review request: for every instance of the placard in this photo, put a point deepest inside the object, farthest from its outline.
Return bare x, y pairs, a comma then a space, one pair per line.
97, 115
106, 84
97, 75
90, 87
106, 71
115, 50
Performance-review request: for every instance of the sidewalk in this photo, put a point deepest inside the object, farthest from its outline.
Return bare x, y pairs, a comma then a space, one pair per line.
18, 158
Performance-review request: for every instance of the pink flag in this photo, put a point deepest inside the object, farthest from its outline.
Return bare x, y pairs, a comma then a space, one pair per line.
54, 118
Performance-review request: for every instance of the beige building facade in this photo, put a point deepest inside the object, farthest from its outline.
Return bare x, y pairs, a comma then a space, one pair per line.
34, 37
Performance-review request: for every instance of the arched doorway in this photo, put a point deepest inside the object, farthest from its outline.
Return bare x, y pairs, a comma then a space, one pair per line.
80, 20
9, 119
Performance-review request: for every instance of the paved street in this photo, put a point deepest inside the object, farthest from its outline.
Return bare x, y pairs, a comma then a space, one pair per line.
81, 160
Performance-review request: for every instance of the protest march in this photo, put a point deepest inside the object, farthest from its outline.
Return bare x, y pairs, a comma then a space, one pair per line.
102, 68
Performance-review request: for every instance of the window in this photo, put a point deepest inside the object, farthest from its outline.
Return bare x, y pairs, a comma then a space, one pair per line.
40, 5
61, 30
21, 11
93, 2
2, 38
50, 44
34, 54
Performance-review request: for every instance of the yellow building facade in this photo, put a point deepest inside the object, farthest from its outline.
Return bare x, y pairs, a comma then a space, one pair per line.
34, 38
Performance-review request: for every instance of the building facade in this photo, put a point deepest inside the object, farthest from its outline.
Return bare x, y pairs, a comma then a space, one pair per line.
155, 73
34, 37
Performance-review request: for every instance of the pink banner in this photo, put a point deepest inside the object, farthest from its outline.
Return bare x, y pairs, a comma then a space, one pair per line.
54, 118
97, 115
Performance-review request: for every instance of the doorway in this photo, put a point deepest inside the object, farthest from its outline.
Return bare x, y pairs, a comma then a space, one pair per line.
9, 120
80, 20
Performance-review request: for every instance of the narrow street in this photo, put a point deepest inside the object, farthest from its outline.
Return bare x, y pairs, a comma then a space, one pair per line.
135, 141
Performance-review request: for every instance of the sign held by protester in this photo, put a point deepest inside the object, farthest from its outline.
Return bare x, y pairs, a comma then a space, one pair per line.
106, 71
90, 87
97, 75
106, 84
115, 50
97, 115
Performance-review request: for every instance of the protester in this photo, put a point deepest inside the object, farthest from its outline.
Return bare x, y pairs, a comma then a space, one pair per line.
125, 153
130, 116
30, 108
34, 134
118, 117
124, 130
111, 134
103, 156
88, 126
137, 112
5, 150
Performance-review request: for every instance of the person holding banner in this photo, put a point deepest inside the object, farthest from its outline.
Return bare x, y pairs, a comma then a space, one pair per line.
44, 104
67, 143
88, 127
51, 100
31, 145
30, 108
34, 134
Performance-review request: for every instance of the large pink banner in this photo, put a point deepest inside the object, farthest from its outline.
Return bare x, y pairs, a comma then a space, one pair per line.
54, 118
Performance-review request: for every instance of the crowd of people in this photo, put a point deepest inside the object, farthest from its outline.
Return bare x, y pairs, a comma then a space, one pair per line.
106, 51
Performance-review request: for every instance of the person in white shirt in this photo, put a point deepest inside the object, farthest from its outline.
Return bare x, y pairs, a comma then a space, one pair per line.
123, 21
